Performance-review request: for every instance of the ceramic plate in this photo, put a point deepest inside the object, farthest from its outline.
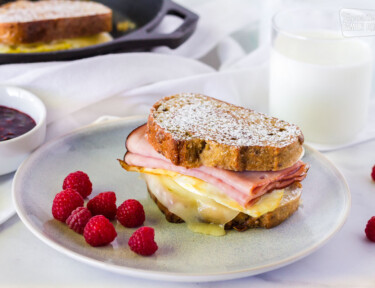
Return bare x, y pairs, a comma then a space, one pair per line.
182, 255
6, 205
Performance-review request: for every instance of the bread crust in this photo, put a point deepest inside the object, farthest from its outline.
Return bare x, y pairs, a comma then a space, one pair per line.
243, 221
47, 30
196, 151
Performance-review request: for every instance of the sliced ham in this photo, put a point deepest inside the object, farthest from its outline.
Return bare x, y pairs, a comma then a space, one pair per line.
240, 186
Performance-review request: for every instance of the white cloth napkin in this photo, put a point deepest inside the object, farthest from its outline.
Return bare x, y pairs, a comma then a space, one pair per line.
225, 58
78, 92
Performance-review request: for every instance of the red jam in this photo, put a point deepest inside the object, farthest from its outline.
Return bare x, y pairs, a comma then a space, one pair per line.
14, 123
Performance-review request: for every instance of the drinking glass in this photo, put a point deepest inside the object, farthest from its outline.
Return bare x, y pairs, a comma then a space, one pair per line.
319, 79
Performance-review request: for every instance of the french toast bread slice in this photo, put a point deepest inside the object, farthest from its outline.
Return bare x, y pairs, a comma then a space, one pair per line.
23, 22
289, 204
194, 130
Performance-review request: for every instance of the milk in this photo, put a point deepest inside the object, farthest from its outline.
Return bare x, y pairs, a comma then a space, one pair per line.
322, 83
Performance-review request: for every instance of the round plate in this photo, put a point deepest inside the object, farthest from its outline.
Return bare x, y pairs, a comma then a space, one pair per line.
182, 255
6, 205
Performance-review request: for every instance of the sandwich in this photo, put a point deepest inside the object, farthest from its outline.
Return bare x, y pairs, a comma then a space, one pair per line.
217, 166
45, 26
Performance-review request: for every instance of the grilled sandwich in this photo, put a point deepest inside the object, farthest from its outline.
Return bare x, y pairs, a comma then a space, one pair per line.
45, 26
217, 166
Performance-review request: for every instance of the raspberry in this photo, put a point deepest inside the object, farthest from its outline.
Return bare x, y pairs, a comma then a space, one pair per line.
142, 241
78, 219
370, 229
131, 213
103, 204
64, 203
373, 173
99, 231
80, 182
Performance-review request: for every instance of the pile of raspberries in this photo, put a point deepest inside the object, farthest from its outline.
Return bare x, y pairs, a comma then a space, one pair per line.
93, 221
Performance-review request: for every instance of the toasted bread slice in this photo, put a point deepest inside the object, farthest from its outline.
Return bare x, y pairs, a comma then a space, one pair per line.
289, 204
194, 130
23, 22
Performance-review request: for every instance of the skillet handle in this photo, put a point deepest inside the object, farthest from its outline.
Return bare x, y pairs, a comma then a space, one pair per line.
147, 37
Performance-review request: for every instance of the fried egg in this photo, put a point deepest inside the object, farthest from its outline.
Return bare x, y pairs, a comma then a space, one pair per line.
57, 45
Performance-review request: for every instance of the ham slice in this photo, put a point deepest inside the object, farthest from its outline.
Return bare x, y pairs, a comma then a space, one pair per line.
242, 187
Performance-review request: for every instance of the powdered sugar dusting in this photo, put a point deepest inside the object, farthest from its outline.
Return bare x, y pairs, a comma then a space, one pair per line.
188, 116
25, 11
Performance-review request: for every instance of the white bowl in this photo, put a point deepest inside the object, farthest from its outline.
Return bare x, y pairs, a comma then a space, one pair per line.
14, 151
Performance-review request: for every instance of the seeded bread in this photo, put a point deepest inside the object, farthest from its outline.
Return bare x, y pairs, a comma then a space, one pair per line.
194, 130
23, 22
289, 204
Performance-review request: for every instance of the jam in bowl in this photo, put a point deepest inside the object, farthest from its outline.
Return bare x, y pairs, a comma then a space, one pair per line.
22, 126
14, 123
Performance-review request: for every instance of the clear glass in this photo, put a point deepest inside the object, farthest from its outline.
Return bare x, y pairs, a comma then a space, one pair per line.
319, 79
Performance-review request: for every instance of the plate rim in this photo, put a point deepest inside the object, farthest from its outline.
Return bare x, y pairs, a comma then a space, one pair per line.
162, 275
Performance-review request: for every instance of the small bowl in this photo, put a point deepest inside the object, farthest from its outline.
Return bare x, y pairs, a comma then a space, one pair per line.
14, 151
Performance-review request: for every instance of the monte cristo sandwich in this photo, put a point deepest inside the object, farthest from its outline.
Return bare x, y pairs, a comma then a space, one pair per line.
47, 26
217, 166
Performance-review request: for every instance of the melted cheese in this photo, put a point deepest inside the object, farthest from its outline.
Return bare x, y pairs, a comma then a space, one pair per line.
56, 45
126, 25
202, 206
266, 203
201, 214
207, 228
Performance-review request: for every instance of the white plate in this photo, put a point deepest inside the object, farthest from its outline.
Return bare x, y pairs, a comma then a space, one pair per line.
182, 255
6, 205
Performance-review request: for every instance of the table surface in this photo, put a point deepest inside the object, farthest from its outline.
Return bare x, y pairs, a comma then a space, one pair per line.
347, 260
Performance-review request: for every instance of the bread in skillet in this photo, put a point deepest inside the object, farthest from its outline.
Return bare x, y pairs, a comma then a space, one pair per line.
23, 22
194, 130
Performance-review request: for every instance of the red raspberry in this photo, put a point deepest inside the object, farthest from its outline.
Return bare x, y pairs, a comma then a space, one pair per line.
131, 213
373, 173
99, 231
78, 219
80, 182
103, 204
370, 229
142, 241
64, 203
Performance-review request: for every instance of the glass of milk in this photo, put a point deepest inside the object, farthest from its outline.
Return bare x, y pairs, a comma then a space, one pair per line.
319, 79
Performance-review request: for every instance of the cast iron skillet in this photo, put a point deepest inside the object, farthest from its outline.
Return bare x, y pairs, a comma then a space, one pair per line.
146, 14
